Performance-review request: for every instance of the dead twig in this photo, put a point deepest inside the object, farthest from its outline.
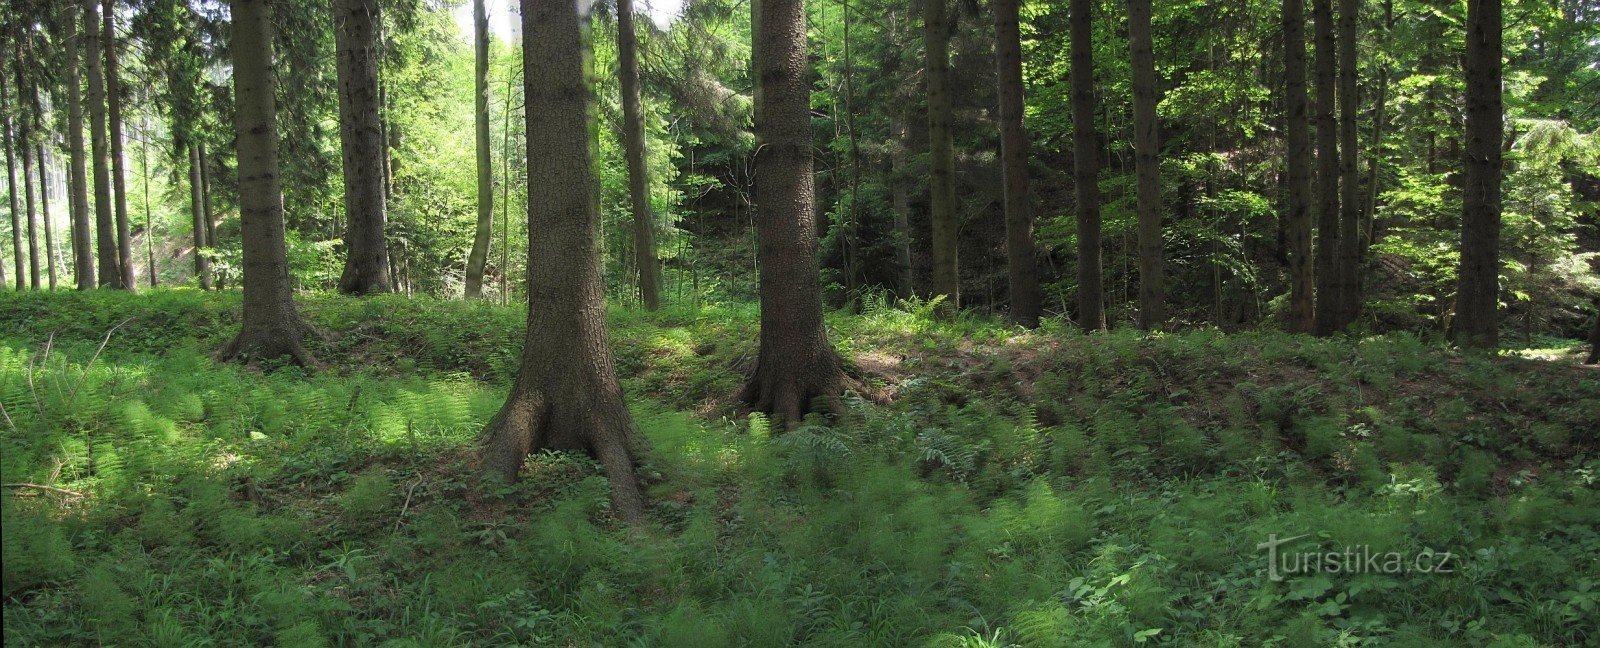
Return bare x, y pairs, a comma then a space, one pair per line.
51, 489
407, 505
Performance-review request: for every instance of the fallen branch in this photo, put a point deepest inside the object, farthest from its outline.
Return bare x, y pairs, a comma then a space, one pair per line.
52, 489
407, 505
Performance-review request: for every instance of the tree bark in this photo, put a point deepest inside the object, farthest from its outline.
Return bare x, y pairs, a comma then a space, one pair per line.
366, 267
1594, 339
1369, 225
11, 183
25, 133
941, 156
1478, 292
1297, 136
271, 326
1147, 165
44, 215
796, 362
118, 159
1349, 168
1022, 271
566, 394
109, 271
1086, 168
202, 266
479, 257
1329, 315
633, 139
77, 173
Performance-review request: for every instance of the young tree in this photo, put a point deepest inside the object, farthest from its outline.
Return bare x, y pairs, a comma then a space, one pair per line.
1086, 168
1147, 164
1297, 140
202, 266
1329, 316
479, 257
366, 266
77, 173
109, 273
1349, 168
26, 135
119, 174
1478, 291
271, 326
11, 180
941, 154
633, 140
796, 362
1022, 269
566, 394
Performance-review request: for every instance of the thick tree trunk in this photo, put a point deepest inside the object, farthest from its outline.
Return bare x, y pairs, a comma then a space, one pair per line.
1297, 136
77, 173
796, 362
11, 183
1478, 292
119, 174
566, 395
1022, 270
271, 326
1329, 316
941, 155
1086, 168
633, 141
1349, 168
1147, 165
202, 265
479, 257
900, 180
108, 273
366, 267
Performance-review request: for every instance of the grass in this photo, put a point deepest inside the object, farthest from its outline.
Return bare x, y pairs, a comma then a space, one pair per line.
1013, 488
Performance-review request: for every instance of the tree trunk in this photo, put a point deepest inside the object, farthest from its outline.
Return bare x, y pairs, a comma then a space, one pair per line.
77, 173
44, 215
11, 183
1022, 271
25, 134
1086, 168
796, 362
941, 155
118, 159
366, 267
566, 395
1478, 293
1329, 315
1297, 135
205, 202
1147, 165
1594, 339
202, 265
633, 140
109, 271
1349, 168
479, 257
271, 326
900, 180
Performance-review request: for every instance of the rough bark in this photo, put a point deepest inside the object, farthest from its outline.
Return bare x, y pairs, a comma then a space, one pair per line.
1086, 168
271, 326
202, 265
1369, 216
366, 266
1022, 271
796, 363
566, 394
1478, 292
119, 175
11, 183
633, 141
77, 172
1147, 165
941, 155
108, 273
1349, 168
478, 258
1329, 315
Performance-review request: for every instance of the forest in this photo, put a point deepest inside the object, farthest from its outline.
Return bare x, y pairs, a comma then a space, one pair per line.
946, 323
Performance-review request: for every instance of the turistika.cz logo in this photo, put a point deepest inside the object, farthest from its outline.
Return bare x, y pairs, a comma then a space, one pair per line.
1354, 559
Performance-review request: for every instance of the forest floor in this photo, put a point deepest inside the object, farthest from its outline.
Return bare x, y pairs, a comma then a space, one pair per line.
997, 487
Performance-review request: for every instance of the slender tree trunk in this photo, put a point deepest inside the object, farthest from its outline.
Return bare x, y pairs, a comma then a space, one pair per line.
796, 362
271, 326
1369, 227
205, 200
25, 132
633, 140
77, 173
1086, 168
109, 272
566, 395
1349, 168
44, 215
11, 183
1594, 340
1329, 316
1022, 271
366, 268
1476, 324
202, 266
144, 176
901, 182
1147, 165
479, 257
1297, 129
941, 155
119, 174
